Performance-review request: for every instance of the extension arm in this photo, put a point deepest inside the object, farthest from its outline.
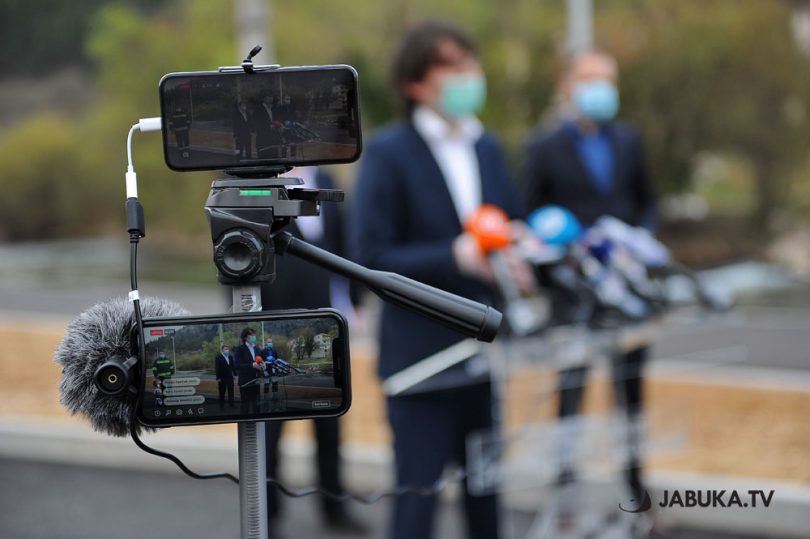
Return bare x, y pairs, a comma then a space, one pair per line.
461, 314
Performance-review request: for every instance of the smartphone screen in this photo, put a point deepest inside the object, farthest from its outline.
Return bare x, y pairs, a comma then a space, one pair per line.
255, 366
286, 116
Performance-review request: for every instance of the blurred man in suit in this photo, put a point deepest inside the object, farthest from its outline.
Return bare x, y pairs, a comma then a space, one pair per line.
265, 125
225, 369
240, 122
419, 181
301, 284
180, 124
249, 371
593, 165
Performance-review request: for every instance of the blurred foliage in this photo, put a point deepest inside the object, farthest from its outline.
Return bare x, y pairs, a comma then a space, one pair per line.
699, 77
715, 75
45, 33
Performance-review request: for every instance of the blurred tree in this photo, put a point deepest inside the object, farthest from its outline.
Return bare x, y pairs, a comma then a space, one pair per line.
720, 76
713, 75
81, 159
48, 34
282, 347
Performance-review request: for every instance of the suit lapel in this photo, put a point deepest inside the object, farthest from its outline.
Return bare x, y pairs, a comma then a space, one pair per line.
581, 173
486, 172
435, 185
619, 162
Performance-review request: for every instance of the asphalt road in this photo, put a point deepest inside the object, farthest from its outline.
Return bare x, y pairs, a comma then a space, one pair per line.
772, 322
39, 500
56, 501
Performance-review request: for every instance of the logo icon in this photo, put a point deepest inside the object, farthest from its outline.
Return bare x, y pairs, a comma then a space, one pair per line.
645, 505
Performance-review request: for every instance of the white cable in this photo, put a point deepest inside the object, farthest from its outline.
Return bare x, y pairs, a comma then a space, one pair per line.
144, 125
135, 127
150, 124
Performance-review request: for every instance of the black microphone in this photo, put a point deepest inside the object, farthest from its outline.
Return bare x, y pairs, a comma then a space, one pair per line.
461, 314
93, 349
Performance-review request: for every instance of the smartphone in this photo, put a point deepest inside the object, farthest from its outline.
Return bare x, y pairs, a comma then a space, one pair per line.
287, 116
244, 367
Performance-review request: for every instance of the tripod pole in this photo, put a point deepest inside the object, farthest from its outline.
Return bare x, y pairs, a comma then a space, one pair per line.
252, 450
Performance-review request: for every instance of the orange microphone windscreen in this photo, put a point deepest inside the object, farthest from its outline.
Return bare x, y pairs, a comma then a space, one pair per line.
490, 226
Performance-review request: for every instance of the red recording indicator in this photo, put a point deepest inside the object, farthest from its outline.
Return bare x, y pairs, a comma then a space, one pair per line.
155, 332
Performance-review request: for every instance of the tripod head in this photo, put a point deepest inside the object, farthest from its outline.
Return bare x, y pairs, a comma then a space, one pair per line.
244, 213
247, 217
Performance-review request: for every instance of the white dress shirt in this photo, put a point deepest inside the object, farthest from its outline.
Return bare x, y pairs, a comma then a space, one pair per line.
453, 148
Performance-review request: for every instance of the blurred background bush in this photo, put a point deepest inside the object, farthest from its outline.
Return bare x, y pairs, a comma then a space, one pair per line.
718, 87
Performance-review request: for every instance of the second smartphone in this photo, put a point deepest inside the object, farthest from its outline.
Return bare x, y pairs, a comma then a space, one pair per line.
244, 367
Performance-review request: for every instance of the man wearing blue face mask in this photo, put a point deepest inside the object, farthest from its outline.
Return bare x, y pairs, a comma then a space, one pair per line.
419, 182
593, 165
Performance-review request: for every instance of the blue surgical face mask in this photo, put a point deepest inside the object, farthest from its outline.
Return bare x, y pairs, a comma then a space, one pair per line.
226, 352
462, 95
597, 100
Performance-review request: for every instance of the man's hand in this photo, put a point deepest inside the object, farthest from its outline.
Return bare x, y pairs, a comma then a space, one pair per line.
521, 271
469, 259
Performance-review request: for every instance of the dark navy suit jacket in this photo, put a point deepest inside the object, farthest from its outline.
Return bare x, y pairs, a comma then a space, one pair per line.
555, 174
243, 361
402, 219
225, 368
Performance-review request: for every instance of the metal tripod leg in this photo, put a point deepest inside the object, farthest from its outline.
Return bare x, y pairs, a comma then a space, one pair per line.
252, 481
252, 450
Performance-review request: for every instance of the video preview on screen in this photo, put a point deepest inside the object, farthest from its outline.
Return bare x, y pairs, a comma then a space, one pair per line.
240, 370
220, 121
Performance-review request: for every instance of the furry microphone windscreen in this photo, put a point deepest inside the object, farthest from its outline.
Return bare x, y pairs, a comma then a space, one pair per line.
102, 331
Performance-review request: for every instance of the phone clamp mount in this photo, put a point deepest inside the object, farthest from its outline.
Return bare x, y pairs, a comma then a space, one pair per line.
247, 64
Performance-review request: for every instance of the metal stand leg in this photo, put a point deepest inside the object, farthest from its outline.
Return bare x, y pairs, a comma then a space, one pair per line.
252, 450
252, 481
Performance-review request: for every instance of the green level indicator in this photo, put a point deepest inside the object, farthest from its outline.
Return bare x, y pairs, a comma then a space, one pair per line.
255, 192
